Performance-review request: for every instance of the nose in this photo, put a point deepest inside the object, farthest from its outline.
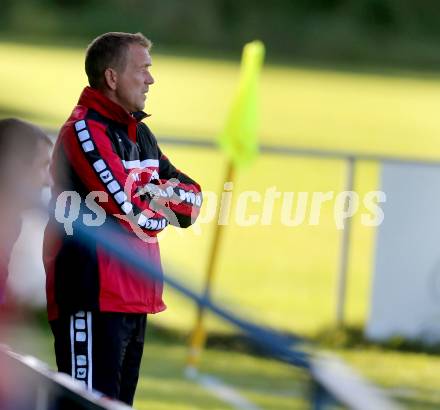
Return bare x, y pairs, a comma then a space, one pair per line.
149, 79
48, 181
46, 177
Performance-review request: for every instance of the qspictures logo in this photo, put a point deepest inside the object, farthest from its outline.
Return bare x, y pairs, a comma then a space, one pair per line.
240, 208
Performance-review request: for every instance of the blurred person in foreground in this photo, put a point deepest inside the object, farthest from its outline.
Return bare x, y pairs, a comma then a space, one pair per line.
97, 306
25, 155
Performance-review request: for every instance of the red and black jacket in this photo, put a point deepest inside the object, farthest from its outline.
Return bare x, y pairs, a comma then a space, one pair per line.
103, 148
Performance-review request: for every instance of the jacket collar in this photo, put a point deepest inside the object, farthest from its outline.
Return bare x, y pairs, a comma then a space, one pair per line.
96, 100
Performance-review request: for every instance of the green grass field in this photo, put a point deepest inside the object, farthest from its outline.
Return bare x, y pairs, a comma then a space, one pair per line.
162, 384
282, 275
290, 269
411, 378
278, 275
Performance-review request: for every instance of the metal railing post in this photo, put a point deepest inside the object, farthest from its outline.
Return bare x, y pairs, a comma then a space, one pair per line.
345, 249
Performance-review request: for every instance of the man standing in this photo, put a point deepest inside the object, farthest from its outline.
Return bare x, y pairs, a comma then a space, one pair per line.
96, 306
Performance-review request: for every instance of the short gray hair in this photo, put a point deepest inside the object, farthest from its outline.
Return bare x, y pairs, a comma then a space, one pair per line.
109, 50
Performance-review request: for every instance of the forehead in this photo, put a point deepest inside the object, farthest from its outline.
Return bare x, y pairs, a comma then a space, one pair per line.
138, 55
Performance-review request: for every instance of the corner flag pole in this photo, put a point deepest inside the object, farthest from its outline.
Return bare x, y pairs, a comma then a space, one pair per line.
239, 141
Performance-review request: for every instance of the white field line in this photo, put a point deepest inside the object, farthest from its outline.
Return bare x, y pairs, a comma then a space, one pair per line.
221, 390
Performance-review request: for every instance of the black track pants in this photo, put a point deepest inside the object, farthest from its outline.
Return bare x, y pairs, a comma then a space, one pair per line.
102, 349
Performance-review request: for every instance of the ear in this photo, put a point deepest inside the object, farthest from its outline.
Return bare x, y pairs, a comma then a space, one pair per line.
111, 78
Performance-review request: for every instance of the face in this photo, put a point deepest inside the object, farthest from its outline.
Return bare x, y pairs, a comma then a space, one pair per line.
132, 84
32, 175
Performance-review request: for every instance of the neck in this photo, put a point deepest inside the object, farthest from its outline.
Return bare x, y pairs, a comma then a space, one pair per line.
111, 95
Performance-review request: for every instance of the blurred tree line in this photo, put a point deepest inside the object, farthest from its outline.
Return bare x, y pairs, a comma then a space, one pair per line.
382, 31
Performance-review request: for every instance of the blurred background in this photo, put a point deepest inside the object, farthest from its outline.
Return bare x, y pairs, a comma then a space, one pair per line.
355, 78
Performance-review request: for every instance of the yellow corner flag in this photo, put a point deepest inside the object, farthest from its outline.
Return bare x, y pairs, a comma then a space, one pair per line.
239, 137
